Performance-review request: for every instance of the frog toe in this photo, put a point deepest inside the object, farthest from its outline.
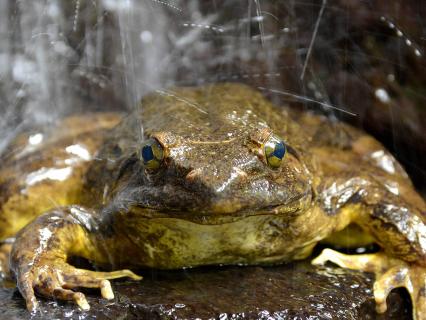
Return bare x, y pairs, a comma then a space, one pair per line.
393, 278
96, 279
390, 273
410, 276
69, 295
4, 260
25, 285
373, 262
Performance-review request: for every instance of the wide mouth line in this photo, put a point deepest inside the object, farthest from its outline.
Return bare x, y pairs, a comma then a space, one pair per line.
278, 209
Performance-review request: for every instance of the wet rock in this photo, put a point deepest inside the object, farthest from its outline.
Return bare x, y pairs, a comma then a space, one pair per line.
293, 291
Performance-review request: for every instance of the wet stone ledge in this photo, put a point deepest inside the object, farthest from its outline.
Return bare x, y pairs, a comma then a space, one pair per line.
293, 291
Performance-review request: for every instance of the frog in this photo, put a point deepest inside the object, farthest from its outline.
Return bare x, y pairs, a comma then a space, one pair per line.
208, 175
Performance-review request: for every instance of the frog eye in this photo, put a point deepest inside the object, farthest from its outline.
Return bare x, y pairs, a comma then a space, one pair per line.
275, 151
152, 154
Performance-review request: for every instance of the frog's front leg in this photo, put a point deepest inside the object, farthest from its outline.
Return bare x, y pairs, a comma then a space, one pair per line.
40, 252
397, 225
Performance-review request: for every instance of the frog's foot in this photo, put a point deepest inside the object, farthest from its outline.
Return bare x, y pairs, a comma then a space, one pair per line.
53, 278
390, 273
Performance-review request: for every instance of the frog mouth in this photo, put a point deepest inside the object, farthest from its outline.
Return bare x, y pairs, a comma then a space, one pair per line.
289, 209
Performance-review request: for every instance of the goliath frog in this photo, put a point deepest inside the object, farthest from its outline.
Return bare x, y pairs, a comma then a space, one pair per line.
203, 176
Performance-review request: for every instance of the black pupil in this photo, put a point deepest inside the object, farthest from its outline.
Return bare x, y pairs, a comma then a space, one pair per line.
147, 153
279, 150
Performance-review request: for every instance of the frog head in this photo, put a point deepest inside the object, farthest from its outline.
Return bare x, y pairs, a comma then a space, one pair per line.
214, 153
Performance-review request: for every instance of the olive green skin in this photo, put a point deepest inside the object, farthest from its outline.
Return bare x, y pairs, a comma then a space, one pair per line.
214, 199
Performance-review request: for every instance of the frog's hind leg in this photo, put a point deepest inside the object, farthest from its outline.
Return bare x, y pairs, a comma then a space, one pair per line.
390, 273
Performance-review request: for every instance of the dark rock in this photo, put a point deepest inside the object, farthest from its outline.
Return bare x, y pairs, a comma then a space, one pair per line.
293, 291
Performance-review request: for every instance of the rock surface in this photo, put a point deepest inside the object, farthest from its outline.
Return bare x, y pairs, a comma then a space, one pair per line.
293, 291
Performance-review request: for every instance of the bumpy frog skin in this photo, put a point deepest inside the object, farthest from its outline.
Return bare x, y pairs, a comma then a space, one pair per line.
214, 197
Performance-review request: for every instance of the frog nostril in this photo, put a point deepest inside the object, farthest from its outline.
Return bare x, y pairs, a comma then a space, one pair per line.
193, 174
239, 174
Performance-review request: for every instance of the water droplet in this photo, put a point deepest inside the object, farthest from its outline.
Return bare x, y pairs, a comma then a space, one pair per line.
360, 250
146, 36
391, 77
382, 95
35, 138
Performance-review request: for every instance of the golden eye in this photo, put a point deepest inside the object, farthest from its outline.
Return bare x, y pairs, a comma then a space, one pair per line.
275, 151
152, 154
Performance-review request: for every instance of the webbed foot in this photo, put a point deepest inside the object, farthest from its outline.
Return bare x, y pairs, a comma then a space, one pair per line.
390, 273
54, 278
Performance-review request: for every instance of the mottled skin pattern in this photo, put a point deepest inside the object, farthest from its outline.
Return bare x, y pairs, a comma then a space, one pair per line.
213, 200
